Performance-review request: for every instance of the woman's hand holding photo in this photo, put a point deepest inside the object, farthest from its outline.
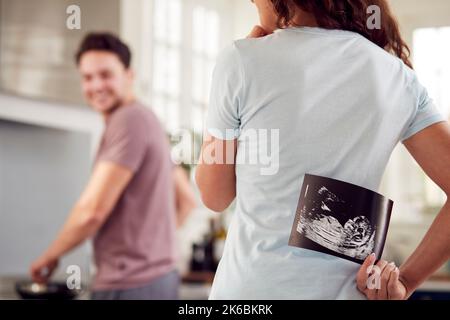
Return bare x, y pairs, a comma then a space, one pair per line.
380, 281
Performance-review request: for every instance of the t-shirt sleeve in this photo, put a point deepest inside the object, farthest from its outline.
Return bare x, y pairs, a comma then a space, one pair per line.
226, 96
426, 112
125, 141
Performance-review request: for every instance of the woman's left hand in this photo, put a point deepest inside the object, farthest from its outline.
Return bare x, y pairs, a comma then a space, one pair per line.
258, 32
380, 281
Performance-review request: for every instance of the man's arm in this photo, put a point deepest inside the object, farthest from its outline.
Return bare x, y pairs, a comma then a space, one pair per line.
216, 178
431, 149
184, 195
104, 189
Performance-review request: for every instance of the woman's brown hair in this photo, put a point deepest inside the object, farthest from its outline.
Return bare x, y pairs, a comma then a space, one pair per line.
350, 15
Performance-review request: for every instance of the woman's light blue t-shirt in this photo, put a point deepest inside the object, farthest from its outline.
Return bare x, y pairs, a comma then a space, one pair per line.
304, 100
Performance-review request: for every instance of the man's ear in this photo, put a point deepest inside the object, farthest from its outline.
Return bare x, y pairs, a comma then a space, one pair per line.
130, 74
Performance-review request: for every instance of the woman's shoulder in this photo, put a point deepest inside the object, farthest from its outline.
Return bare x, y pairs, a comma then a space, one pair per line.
244, 51
251, 44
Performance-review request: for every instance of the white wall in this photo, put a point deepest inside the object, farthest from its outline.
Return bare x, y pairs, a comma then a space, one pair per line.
245, 17
42, 172
413, 14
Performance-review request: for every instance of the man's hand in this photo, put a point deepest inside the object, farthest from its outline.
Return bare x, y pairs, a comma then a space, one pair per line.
185, 200
103, 191
42, 269
380, 281
258, 32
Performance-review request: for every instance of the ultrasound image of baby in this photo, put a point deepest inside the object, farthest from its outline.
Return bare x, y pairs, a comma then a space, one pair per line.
340, 218
320, 224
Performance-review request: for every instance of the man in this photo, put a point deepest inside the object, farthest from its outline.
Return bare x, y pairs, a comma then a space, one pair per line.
129, 203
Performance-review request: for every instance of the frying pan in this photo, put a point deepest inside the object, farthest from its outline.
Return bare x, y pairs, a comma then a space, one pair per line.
48, 291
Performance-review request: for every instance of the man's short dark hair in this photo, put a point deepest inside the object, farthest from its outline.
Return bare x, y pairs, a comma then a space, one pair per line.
104, 41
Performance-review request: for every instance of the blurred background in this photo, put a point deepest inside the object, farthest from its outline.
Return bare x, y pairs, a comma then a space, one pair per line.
48, 135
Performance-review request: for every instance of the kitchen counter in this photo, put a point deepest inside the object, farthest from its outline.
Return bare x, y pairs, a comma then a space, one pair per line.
437, 288
7, 288
188, 291
200, 291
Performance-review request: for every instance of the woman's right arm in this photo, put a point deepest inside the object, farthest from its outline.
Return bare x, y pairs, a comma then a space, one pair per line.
431, 149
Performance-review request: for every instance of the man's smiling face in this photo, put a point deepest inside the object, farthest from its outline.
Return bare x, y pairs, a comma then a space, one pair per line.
105, 81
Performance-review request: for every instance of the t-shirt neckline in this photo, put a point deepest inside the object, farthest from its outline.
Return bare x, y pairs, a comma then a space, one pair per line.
319, 30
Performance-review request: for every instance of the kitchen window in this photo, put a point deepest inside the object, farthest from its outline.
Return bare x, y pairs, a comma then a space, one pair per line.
431, 52
187, 36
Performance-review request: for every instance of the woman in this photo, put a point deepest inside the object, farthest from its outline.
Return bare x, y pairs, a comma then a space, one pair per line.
334, 97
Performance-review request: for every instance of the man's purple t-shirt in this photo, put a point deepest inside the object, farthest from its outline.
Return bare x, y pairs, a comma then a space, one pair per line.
137, 242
